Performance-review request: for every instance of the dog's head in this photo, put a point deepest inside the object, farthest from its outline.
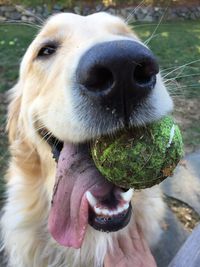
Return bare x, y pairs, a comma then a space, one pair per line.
83, 77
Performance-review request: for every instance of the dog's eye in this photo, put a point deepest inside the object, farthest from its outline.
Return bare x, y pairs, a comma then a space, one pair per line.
47, 50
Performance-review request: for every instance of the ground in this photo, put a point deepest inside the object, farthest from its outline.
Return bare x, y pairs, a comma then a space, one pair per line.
177, 48
186, 214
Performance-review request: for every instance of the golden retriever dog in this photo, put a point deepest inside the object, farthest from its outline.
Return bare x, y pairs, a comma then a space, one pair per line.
81, 77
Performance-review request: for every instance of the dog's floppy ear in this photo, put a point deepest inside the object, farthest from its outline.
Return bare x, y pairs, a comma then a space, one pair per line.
14, 96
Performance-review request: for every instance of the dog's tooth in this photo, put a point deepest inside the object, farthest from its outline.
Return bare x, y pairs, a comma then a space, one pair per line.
115, 212
97, 210
126, 206
119, 210
91, 199
105, 212
123, 208
111, 212
126, 196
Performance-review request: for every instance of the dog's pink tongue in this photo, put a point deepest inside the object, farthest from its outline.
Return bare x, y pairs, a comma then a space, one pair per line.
75, 175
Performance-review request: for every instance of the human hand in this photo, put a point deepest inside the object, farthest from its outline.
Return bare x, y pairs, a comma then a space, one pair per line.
130, 250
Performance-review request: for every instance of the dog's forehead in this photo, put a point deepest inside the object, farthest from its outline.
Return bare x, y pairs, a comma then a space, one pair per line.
64, 22
70, 29
73, 19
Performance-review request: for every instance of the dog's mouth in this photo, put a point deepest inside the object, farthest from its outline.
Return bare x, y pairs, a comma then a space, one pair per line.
82, 196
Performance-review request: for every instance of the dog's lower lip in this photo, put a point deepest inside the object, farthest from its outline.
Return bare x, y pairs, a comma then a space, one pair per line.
110, 223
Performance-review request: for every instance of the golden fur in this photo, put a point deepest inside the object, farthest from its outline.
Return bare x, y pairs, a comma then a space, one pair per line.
44, 87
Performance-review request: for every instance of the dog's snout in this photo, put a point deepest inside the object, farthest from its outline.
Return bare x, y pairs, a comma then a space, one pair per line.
121, 73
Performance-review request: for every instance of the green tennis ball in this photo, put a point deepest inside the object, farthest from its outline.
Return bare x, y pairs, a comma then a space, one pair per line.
142, 157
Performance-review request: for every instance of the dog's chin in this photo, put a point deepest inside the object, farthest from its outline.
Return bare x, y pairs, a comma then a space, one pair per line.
83, 196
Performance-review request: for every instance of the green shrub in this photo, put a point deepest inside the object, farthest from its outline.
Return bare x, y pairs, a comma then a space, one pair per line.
70, 3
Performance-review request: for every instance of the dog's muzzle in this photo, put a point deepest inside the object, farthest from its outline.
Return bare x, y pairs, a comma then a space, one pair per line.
117, 75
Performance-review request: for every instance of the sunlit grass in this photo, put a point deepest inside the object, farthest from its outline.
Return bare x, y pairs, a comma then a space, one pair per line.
14, 40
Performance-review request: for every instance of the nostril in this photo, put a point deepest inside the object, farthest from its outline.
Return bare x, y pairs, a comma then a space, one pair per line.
100, 79
145, 74
140, 75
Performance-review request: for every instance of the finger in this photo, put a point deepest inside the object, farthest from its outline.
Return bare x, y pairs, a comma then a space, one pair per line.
114, 254
126, 244
136, 238
115, 248
143, 240
115, 245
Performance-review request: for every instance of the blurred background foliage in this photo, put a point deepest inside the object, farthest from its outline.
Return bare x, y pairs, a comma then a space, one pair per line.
71, 3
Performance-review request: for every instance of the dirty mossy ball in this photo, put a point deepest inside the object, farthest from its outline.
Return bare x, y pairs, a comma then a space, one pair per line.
142, 157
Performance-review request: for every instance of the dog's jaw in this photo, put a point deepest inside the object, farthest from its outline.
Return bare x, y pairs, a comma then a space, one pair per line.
77, 176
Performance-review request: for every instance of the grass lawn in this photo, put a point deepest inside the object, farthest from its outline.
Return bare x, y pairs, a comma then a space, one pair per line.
176, 45
14, 39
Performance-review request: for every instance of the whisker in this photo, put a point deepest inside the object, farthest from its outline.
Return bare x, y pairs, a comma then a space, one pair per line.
182, 66
174, 88
179, 73
39, 118
48, 135
21, 8
29, 24
127, 20
152, 37
4, 157
183, 76
177, 96
39, 128
150, 24
188, 86
191, 85
156, 28
174, 82
163, 70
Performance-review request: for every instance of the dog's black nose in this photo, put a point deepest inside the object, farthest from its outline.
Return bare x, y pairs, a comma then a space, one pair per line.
118, 74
